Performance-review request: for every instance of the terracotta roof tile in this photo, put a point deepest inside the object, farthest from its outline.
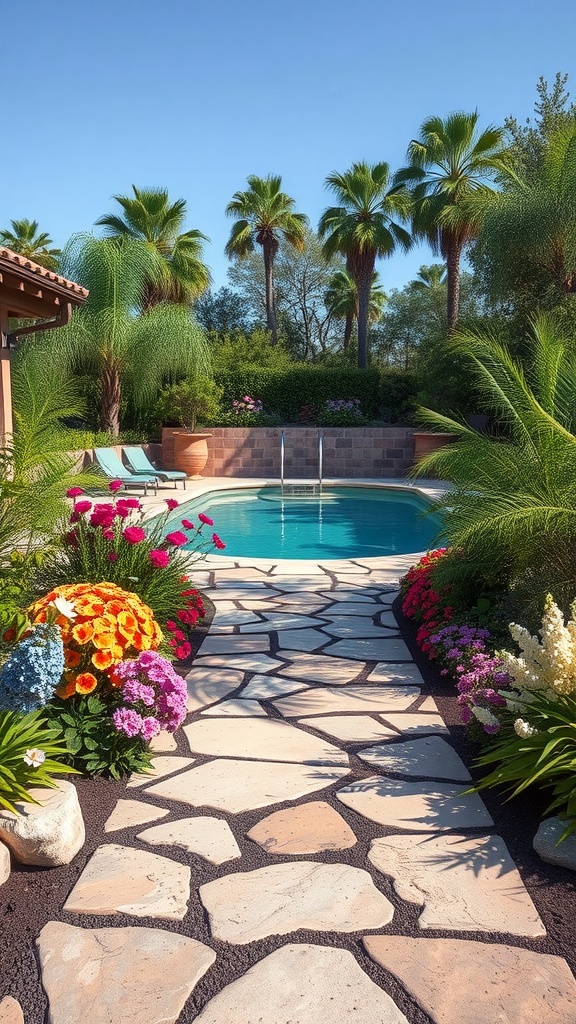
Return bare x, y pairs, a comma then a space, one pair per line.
7, 255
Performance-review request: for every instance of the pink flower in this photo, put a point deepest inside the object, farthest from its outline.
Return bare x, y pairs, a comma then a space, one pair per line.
159, 558
177, 538
205, 519
172, 503
128, 503
217, 542
74, 492
115, 485
183, 651
134, 534
108, 533
187, 524
82, 506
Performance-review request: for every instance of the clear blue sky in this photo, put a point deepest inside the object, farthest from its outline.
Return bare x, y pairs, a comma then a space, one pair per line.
194, 96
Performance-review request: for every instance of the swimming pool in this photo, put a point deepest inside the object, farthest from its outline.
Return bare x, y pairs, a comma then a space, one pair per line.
345, 522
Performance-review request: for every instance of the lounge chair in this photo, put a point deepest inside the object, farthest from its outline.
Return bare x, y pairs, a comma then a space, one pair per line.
139, 462
113, 468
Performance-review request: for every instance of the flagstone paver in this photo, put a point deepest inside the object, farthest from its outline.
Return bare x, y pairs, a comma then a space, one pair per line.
496, 983
104, 975
319, 669
463, 883
399, 673
339, 609
428, 704
303, 984
210, 838
302, 639
232, 643
309, 828
280, 899
236, 708
430, 757
236, 786
415, 806
416, 723
279, 620
350, 728
390, 648
345, 596
358, 626
207, 685
322, 700
133, 812
246, 662
224, 620
160, 766
123, 880
163, 743
266, 687
268, 740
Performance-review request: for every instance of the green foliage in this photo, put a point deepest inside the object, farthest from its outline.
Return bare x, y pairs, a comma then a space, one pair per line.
25, 239
192, 400
95, 746
234, 350
397, 395
286, 391
21, 737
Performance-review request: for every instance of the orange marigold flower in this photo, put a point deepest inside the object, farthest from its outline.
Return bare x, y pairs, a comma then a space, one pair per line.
66, 689
104, 641
115, 607
127, 624
83, 632
102, 660
86, 682
71, 657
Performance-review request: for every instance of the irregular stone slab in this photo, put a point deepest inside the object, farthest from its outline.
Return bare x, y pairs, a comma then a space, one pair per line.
4, 869
358, 626
210, 838
458, 981
303, 984
48, 833
243, 576
391, 649
463, 883
232, 617
302, 639
163, 743
299, 575
429, 704
344, 595
546, 838
279, 620
338, 609
265, 687
207, 685
387, 618
133, 812
237, 709
136, 975
10, 1011
302, 599
417, 723
122, 880
390, 673
246, 662
430, 758
356, 585
314, 667
415, 806
160, 766
237, 786
267, 740
309, 828
323, 700
232, 644
350, 728
282, 898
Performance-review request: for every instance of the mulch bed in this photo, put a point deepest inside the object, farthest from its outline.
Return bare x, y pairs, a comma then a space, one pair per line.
33, 896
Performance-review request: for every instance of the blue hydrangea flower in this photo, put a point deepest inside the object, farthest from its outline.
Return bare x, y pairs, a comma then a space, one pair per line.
33, 670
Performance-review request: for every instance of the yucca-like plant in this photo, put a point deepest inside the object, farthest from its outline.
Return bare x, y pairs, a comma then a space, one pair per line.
513, 503
28, 757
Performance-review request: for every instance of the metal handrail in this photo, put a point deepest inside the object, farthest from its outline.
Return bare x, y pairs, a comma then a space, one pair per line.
320, 459
282, 448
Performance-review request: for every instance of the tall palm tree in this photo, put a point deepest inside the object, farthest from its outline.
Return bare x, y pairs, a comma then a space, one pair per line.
451, 162
362, 227
150, 217
106, 339
264, 215
430, 278
25, 239
341, 299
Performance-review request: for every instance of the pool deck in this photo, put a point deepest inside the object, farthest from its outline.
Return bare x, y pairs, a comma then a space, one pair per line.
259, 876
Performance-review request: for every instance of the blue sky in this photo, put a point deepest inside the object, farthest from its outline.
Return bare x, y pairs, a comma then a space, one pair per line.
100, 94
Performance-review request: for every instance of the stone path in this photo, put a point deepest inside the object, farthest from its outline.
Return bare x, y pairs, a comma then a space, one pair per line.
262, 875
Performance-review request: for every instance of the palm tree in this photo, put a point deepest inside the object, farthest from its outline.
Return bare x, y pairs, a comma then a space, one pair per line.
107, 340
361, 228
341, 299
450, 163
27, 241
430, 278
265, 215
150, 217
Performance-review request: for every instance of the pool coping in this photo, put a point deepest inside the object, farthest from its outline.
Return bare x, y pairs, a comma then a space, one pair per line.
395, 565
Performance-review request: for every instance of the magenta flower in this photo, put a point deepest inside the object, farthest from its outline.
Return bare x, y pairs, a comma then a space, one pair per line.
112, 556
187, 524
150, 728
159, 558
205, 519
128, 721
128, 503
217, 542
172, 503
177, 538
134, 534
115, 485
82, 506
74, 492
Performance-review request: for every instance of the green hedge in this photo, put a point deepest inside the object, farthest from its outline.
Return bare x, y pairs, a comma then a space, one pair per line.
386, 394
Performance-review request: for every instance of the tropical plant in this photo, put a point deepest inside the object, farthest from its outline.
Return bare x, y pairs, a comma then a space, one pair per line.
126, 353
451, 163
31, 753
149, 216
25, 239
512, 507
362, 228
341, 300
193, 399
264, 214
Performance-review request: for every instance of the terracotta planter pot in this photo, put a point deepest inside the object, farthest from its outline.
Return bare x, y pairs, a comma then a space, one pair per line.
190, 452
424, 443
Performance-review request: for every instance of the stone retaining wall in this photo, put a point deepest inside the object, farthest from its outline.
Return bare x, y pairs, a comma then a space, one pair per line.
348, 451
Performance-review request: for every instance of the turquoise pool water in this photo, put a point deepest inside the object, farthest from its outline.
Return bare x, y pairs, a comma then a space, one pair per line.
346, 522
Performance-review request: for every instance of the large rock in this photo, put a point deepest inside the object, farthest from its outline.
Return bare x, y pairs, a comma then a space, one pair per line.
545, 842
4, 866
46, 834
10, 1011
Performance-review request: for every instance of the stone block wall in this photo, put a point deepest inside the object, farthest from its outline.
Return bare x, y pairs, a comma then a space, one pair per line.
348, 451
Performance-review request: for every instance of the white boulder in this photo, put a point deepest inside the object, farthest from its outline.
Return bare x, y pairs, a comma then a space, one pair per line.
46, 834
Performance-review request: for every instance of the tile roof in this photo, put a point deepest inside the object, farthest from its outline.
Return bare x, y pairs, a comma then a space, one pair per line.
22, 263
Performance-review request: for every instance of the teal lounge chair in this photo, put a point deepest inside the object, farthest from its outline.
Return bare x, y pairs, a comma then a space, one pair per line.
113, 468
139, 462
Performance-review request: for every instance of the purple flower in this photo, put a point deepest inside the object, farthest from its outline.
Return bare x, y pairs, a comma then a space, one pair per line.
150, 728
134, 691
128, 721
